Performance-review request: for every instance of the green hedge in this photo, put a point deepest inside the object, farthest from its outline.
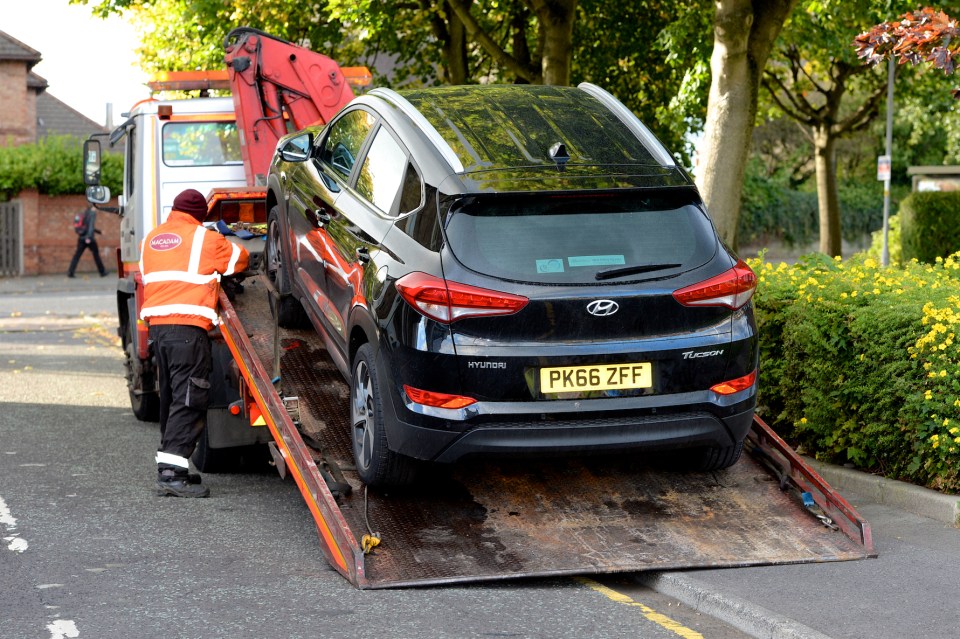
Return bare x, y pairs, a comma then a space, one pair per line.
930, 225
771, 210
53, 166
859, 364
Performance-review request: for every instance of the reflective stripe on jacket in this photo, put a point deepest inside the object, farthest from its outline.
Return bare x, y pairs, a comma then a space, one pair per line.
181, 263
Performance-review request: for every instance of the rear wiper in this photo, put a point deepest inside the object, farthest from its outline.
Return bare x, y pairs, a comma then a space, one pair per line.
632, 270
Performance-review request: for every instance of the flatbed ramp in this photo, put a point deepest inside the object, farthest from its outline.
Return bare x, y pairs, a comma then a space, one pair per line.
494, 521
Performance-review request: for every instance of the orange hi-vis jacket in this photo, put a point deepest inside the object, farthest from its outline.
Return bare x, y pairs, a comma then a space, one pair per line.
181, 263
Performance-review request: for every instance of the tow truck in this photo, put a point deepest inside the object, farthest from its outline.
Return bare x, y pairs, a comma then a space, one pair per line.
278, 389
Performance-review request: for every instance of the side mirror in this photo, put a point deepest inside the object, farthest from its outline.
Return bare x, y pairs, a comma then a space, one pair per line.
91, 163
98, 194
297, 149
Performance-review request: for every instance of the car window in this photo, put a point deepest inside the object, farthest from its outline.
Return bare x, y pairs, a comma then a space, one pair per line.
570, 239
383, 171
345, 140
422, 225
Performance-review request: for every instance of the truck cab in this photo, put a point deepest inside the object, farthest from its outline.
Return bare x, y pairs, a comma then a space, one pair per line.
170, 146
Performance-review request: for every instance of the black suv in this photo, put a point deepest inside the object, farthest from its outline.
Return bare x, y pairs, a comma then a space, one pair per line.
511, 270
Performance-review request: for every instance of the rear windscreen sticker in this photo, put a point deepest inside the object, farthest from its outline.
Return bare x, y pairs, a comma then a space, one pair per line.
550, 266
596, 260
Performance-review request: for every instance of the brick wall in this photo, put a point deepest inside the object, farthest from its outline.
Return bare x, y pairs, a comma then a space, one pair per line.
18, 117
49, 240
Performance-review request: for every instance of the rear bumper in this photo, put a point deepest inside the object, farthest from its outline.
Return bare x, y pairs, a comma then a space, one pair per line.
599, 435
678, 420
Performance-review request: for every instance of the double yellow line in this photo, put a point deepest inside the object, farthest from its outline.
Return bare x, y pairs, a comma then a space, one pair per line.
651, 614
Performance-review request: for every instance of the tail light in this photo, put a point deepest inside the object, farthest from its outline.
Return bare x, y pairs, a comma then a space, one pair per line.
440, 400
447, 301
732, 289
735, 385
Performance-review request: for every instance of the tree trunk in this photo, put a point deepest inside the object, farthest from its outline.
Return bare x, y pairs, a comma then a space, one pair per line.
744, 33
828, 199
455, 51
556, 22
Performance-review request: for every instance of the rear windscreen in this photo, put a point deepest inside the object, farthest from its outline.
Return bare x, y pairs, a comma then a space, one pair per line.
580, 239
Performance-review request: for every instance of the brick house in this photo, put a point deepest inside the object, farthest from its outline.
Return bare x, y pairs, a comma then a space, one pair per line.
35, 229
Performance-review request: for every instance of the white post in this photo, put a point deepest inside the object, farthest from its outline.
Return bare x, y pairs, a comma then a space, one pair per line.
885, 253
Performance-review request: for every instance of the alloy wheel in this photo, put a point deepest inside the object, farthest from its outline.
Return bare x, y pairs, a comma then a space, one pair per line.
362, 415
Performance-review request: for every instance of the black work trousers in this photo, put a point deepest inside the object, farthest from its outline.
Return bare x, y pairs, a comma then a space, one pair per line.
83, 245
183, 367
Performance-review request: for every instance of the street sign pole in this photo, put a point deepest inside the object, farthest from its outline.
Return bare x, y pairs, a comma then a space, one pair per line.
885, 252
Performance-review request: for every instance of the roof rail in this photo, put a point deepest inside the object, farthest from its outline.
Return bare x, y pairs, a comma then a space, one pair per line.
639, 129
428, 129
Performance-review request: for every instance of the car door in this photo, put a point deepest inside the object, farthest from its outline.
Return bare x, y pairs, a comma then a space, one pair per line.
365, 213
325, 179
305, 188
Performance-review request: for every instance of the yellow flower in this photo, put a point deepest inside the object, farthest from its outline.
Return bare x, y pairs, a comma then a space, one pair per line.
803, 420
928, 394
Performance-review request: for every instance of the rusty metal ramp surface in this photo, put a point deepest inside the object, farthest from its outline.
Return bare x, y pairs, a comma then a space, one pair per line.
492, 521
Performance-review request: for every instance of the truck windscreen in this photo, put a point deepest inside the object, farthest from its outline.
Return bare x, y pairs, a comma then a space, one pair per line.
201, 144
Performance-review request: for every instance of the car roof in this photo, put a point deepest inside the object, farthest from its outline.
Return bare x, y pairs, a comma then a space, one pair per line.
508, 126
521, 137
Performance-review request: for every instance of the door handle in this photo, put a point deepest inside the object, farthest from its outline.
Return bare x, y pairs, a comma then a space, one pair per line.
363, 255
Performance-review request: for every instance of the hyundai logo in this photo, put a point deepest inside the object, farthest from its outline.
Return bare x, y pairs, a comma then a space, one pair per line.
602, 308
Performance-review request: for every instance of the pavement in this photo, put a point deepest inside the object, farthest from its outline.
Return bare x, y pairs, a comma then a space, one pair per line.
58, 283
905, 514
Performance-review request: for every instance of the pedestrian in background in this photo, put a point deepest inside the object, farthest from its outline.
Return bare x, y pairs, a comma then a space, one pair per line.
181, 263
85, 225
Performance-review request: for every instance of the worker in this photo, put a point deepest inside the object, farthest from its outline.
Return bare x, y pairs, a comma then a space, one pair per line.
181, 263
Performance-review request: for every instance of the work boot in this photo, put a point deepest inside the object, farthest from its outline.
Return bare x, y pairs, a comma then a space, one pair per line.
180, 485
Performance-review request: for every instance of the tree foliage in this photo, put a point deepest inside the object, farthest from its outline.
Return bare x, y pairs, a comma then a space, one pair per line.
186, 35
816, 80
651, 75
925, 36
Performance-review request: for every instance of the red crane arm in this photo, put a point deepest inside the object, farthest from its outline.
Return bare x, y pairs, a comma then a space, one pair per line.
279, 87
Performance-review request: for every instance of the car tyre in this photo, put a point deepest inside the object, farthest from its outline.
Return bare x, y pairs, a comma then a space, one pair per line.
376, 464
715, 457
286, 308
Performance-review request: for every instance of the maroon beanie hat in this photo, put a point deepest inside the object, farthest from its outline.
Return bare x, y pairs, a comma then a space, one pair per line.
192, 202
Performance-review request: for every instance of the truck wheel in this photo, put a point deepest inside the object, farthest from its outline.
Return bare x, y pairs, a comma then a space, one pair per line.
286, 309
710, 458
145, 405
376, 464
